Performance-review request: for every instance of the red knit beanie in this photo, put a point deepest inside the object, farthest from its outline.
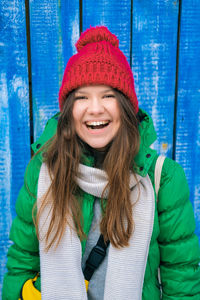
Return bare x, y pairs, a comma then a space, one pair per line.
98, 61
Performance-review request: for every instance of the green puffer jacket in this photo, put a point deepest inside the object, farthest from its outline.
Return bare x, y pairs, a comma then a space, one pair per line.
173, 243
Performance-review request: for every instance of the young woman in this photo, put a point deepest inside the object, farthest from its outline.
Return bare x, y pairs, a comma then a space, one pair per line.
94, 174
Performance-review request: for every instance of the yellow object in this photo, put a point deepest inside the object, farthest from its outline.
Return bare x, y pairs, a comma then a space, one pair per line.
86, 285
29, 292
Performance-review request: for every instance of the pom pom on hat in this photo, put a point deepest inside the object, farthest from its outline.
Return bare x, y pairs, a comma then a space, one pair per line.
96, 34
98, 61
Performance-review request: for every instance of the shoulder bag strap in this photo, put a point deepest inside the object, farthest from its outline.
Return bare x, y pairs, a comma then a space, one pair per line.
157, 172
95, 258
157, 178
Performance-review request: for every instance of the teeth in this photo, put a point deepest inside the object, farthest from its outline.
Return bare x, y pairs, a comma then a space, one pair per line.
93, 123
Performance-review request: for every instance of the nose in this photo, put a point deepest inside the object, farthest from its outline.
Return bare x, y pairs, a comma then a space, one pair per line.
95, 106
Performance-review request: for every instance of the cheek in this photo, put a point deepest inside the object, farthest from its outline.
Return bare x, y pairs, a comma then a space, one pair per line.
78, 110
76, 114
74, 111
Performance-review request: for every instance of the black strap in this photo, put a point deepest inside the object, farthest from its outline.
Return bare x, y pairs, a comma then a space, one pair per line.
95, 257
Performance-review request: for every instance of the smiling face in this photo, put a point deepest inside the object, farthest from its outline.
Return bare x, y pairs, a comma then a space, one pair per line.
96, 115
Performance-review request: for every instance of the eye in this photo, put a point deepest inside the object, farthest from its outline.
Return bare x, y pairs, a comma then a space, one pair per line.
109, 96
80, 97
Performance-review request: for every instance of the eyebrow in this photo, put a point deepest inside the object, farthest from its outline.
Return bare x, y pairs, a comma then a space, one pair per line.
105, 91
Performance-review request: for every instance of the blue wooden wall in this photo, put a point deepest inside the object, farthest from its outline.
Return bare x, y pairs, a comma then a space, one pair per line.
161, 41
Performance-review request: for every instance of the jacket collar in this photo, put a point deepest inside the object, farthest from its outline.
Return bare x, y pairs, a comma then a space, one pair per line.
143, 159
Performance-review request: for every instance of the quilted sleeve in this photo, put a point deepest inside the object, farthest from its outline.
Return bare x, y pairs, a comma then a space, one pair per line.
179, 246
23, 255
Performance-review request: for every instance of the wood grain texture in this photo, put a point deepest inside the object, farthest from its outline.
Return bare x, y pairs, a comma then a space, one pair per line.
188, 105
116, 15
14, 116
54, 28
154, 44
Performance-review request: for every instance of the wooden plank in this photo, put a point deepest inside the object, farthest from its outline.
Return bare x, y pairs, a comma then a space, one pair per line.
14, 116
116, 15
154, 44
188, 105
54, 27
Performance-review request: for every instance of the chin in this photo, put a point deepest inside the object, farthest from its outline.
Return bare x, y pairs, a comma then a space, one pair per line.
102, 147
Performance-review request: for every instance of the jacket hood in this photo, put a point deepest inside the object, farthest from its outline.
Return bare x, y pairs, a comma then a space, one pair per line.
143, 159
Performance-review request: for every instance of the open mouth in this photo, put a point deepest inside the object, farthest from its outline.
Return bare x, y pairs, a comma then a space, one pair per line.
97, 124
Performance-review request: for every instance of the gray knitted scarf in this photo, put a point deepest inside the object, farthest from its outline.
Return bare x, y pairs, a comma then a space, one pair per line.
61, 273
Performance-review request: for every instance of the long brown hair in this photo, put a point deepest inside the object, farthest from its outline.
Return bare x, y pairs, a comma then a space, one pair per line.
62, 157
